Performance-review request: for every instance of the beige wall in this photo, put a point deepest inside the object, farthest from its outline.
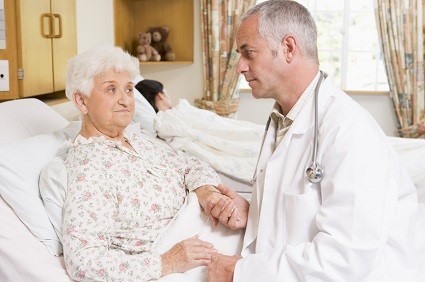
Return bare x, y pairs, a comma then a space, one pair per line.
95, 25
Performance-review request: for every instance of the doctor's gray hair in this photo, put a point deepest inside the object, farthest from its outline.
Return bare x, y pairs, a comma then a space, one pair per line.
84, 67
280, 18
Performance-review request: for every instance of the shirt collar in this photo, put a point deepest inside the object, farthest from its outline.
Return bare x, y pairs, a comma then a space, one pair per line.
276, 113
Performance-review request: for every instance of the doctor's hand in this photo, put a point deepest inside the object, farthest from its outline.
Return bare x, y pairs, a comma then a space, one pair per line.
222, 267
233, 214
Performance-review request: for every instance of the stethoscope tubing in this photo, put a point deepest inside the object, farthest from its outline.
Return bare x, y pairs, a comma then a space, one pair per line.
254, 178
316, 117
322, 77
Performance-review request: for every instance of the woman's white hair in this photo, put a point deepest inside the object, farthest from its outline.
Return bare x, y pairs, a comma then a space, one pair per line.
280, 18
84, 67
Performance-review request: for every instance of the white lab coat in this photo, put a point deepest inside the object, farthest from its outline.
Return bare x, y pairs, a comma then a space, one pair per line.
358, 224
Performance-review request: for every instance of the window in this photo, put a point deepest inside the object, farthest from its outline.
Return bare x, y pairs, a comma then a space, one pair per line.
348, 44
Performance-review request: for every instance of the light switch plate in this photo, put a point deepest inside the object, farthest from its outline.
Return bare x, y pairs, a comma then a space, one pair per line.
4, 75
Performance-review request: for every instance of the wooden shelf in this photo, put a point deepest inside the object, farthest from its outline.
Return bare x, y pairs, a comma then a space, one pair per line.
134, 16
166, 63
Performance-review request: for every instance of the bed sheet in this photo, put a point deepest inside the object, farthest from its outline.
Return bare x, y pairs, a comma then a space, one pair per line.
230, 146
411, 153
22, 256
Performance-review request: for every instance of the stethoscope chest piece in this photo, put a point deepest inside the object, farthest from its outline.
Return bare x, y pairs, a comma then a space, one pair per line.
315, 173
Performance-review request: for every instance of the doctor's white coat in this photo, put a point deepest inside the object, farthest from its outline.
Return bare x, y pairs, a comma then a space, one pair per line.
358, 224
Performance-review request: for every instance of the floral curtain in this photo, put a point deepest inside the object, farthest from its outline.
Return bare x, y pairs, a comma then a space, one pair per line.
401, 29
218, 25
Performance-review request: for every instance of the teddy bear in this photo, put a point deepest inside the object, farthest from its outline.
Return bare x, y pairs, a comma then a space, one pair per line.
159, 42
145, 52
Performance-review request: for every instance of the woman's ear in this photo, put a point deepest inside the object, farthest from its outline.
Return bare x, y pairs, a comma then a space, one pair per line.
80, 102
161, 95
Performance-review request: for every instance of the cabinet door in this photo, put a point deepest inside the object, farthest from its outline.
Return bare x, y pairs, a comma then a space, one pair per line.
35, 51
66, 46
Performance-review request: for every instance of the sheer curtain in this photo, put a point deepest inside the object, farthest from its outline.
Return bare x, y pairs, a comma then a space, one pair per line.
218, 25
401, 28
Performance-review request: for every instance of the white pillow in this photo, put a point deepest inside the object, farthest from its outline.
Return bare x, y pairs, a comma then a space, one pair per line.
52, 185
20, 166
28, 117
143, 111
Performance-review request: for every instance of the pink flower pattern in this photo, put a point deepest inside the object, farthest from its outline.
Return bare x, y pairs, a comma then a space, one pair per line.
118, 202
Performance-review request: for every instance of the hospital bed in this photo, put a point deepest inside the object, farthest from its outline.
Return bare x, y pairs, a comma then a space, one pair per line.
31, 135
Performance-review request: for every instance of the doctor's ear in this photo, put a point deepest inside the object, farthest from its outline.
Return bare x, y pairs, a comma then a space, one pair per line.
80, 102
289, 46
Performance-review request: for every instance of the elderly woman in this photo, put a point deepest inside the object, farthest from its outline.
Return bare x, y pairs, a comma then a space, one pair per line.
123, 190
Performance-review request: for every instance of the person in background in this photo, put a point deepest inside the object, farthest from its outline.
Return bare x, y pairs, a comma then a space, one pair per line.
229, 145
123, 191
155, 93
352, 221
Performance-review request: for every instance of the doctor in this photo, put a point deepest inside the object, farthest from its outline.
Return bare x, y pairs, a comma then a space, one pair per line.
353, 221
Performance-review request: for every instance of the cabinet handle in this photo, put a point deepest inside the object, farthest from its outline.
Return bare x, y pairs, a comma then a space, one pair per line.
50, 23
59, 17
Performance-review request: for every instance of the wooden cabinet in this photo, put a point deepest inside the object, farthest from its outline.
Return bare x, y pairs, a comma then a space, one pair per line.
134, 16
46, 33
9, 53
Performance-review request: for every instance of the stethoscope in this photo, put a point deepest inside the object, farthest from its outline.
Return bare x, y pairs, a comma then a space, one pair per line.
315, 171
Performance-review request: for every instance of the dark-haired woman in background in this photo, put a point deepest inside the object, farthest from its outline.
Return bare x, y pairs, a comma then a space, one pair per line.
230, 146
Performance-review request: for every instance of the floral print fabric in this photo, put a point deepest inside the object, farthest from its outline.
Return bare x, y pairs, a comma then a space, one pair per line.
119, 201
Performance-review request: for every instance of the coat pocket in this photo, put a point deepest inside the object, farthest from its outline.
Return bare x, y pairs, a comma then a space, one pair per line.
300, 216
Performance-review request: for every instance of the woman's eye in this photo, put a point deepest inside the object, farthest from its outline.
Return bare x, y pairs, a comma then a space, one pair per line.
111, 89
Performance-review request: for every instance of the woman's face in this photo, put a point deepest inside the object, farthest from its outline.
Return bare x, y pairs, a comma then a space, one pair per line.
110, 107
163, 101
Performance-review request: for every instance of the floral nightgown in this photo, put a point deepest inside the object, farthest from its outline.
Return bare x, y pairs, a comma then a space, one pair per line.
119, 201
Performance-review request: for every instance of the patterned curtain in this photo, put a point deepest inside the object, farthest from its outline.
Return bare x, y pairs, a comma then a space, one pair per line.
401, 30
218, 25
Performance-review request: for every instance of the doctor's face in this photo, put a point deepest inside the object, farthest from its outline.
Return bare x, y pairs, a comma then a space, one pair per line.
259, 64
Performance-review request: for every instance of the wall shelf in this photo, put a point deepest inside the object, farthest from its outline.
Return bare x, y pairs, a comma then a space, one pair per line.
134, 16
166, 63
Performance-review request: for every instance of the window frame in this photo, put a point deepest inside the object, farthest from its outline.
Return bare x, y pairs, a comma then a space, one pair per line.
244, 88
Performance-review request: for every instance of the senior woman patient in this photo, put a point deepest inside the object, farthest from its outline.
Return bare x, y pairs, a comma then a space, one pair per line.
123, 190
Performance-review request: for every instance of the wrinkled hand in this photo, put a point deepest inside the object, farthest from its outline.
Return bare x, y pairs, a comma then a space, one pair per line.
187, 254
231, 210
222, 267
209, 196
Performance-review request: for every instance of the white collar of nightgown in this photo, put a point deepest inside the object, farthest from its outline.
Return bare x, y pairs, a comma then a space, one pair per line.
99, 139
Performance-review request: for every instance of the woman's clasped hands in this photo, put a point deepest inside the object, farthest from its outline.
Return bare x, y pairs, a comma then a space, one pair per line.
224, 205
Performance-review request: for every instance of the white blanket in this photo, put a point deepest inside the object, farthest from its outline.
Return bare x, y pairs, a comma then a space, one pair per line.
191, 220
229, 146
